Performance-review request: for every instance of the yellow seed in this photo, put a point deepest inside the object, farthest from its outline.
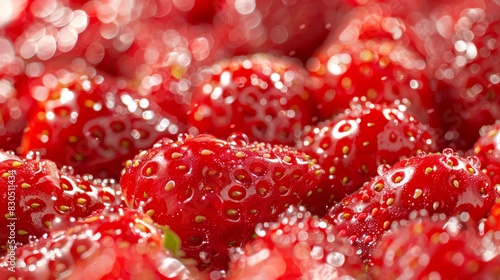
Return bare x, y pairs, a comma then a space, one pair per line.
149, 171
128, 163
428, 170
345, 180
418, 193
82, 187
135, 163
63, 208
64, 186
398, 179
34, 205
456, 183
199, 218
182, 167
435, 205
176, 155
331, 170
16, 164
366, 143
150, 212
387, 224
170, 185
240, 155
345, 150
212, 172
378, 187
22, 232
8, 216
81, 201
25, 185
364, 168
231, 212
346, 216
471, 170
73, 139
266, 155
370, 124
390, 201
141, 227
206, 152
287, 159
48, 224
5, 175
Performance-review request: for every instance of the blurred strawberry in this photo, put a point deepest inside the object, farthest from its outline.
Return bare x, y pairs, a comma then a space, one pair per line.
115, 243
262, 96
297, 246
380, 70
92, 122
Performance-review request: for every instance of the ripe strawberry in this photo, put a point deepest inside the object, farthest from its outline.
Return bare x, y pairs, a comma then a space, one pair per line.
291, 28
116, 243
354, 144
487, 150
213, 192
438, 183
34, 192
260, 95
12, 116
92, 122
428, 248
297, 246
382, 71
492, 222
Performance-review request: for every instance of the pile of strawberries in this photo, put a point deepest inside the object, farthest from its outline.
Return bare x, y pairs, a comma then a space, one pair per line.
250, 139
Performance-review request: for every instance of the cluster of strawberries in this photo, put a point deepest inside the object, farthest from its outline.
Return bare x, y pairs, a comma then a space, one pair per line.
250, 139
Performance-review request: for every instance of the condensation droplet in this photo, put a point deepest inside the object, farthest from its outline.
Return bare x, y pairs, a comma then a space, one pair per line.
238, 139
67, 170
335, 259
474, 162
34, 155
448, 152
383, 168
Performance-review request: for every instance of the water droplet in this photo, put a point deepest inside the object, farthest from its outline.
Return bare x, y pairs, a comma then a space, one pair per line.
383, 168
335, 259
474, 162
34, 155
238, 139
67, 170
448, 152
32, 239
421, 154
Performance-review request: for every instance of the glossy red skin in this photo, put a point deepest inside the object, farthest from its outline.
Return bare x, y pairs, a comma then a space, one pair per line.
297, 246
423, 248
213, 193
487, 150
42, 193
351, 147
262, 96
116, 243
93, 123
381, 71
438, 183
291, 28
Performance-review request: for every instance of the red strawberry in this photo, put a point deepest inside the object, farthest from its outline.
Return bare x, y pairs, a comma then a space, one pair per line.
354, 144
213, 192
12, 117
459, 43
429, 248
487, 150
34, 192
438, 183
92, 122
380, 70
260, 95
291, 28
115, 243
297, 246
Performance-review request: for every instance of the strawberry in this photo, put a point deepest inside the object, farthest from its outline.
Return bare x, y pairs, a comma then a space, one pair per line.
213, 192
92, 122
438, 183
260, 95
492, 222
12, 116
35, 192
115, 243
293, 28
487, 150
355, 143
297, 246
382, 71
431, 247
